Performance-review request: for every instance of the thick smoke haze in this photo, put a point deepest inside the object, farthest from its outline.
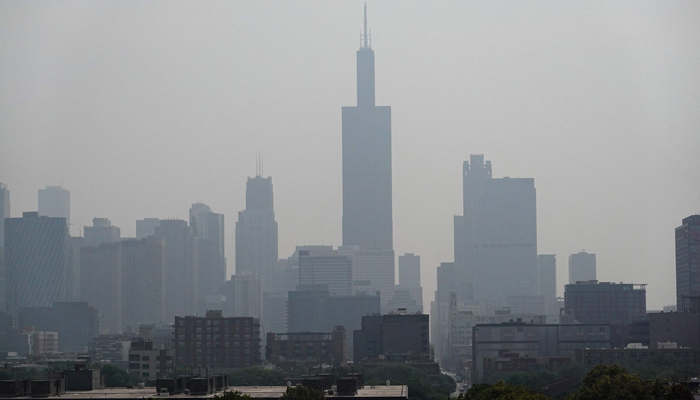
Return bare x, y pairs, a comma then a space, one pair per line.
142, 108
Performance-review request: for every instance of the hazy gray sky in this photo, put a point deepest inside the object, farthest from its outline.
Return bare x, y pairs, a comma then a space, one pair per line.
141, 108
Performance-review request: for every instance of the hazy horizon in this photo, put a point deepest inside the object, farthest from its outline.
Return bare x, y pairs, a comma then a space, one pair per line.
141, 109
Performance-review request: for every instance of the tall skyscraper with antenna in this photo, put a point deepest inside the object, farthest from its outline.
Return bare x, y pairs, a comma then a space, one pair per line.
256, 229
367, 209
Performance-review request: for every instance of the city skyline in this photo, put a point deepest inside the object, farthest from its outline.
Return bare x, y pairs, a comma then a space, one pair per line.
427, 156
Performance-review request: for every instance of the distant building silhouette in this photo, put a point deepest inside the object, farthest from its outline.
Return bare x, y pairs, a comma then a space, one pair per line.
244, 295
594, 302
256, 231
403, 334
688, 261
582, 267
4, 213
54, 201
35, 260
101, 231
372, 271
180, 267
208, 227
101, 283
75, 243
143, 281
409, 280
367, 201
547, 281
76, 323
146, 227
332, 270
496, 238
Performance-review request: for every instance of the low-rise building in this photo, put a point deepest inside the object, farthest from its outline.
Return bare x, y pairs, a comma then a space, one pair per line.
319, 348
509, 362
592, 357
679, 327
217, 341
149, 362
534, 340
593, 302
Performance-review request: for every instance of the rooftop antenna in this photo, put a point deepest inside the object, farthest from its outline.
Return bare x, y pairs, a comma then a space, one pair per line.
365, 36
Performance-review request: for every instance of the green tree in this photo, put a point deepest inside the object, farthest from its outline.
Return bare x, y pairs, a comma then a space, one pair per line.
500, 391
233, 395
115, 376
613, 382
302, 393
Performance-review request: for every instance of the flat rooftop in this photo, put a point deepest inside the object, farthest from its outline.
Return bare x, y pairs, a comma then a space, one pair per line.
258, 392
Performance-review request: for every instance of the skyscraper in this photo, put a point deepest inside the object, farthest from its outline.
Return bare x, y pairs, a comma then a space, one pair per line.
256, 231
582, 267
180, 267
4, 213
496, 238
688, 259
35, 260
146, 227
367, 207
409, 289
208, 227
54, 201
332, 270
143, 281
101, 283
547, 281
244, 295
101, 231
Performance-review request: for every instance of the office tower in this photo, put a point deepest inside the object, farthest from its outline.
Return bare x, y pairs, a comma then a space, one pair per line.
372, 271
75, 243
180, 267
496, 238
256, 231
54, 201
101, 231
409, 278
77, 323
244, 295
4, 213
4, 210
382, 335
35, 260
688, 262
101, 283
367, 208
593, 302
239, 349
332, 270
547, 281
582, 267
146, 227
208, 227
143, 281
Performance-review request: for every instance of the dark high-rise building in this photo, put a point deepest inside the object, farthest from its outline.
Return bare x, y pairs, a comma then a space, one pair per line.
582, 267
180, 267
101, 231
406, 334
35, 260
54, 201
688, 260
367, 207
143, 281
496, 238
256, 231
547, 281
217, 341
101, 283
208, 227
594, 302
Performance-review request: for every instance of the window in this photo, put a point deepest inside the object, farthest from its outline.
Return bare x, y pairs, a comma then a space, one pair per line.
134, 357
145, 375
146, 358
145, 366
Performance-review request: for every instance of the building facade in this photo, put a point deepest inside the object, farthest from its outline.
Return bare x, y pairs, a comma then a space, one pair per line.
688, 259
496, 238
315, 347
256, 231
35, 261
4, 213
392, 334
547, 282
77, 323
582, 267
54, 202
143, 281
148, 361
101, 231
334, 271
596, 302
101, 283
372, 271
367, 181
217, 341
181, 268
208, 228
